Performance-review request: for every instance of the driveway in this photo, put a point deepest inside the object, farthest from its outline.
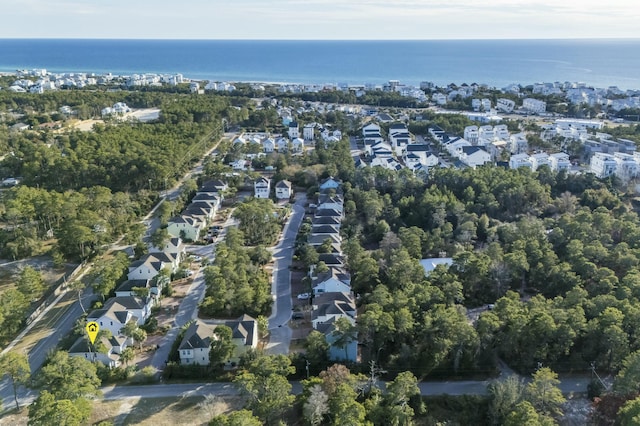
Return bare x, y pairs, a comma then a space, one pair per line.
280, 333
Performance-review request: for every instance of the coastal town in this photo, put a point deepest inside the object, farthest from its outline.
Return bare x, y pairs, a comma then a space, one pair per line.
301, 227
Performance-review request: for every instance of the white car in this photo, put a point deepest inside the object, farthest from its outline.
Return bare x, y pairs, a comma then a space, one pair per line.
196, 258
304, 296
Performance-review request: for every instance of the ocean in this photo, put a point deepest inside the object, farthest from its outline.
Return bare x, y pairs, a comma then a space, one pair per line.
498, 63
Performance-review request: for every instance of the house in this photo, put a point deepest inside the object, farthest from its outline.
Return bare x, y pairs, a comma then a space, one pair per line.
126, 288
330, 198
284, 190
334, 259
424, 154
297, 145
282, 144
213, 186
626, 166
474, 156
186, 227
384, 118
348, 352
214, 198
262, 188
334, 202
534, 105
118, 311
19, 127
332, 305
371, 130
328, 212
333, 281
202, 208
240, 164
520, 160
329, 183
319, 239
471, 134
454, 146
325, 230
430, 264
196, 343
518, 143
505, 105
268, 145
294, 131
326, 220
308, 132
150, 265
603, 165
559, 161
106, 350
540, 159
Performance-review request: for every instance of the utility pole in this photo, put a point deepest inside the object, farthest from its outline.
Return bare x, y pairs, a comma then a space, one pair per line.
593, 373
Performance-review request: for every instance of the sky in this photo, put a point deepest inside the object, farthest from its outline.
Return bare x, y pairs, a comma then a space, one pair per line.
320, 19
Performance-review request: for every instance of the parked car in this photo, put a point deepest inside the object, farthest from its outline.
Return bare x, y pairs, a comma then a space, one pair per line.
297, 315
196, 258
304, 296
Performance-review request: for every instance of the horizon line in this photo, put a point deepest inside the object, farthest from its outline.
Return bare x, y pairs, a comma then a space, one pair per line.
329, 40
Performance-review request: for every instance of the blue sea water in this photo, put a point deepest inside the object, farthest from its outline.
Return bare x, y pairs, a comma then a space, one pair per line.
598, 62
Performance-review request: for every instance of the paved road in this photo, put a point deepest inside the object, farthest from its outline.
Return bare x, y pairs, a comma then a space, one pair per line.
188, 308
280, 333
180, 390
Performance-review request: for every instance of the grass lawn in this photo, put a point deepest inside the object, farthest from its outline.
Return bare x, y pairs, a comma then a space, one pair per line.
148, 411
44, 327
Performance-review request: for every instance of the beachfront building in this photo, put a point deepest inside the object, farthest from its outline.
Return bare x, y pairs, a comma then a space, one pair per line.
520, 160
626, 166
471, 134
603, 165
534, 105
505, 105
559, 161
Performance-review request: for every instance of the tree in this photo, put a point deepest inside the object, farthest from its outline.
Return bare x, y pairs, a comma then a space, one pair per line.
139, 335
344, 333
16, 366
629, 413
30, 283
344, 408
263, 381
263, 326
316, 405
543, 392
627, 381
399, 393
525, 415
258, 222
268, 396
68, 377
127, 356
316, 350
159, 237
47, 410
237, 418
504, 396
222, 346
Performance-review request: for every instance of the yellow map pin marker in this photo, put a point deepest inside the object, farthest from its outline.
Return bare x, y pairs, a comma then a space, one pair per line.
92, 330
